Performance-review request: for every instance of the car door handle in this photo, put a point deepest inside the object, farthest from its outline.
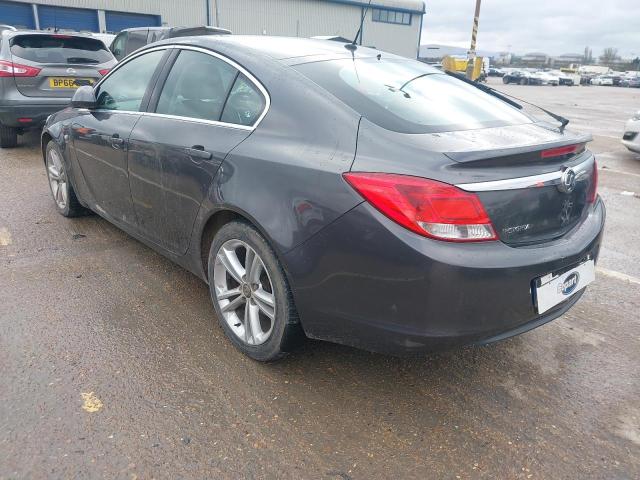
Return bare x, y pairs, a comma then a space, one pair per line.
198, 151
116, 141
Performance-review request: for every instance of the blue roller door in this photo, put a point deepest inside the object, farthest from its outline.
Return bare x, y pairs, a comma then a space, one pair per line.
117, 21
68, 18
17, 14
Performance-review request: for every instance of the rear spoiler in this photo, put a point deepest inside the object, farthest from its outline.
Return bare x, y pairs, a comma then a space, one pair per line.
505, 97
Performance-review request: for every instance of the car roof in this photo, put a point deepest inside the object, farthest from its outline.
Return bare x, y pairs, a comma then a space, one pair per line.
289, 49
202, 28
16, 33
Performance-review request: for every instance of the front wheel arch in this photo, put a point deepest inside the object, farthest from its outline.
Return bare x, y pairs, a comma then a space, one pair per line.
44, 141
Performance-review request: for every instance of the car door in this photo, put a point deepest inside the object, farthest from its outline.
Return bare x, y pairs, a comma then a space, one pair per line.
100, 136
202, 108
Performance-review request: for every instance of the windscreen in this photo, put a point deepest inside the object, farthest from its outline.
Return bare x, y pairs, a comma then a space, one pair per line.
60, 49
410, 97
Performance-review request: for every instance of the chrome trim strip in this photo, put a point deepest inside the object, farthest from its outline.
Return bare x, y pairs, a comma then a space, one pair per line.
199, 120
551, 178
240, 68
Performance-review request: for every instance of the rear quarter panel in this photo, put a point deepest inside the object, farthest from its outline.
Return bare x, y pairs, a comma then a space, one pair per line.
286, 177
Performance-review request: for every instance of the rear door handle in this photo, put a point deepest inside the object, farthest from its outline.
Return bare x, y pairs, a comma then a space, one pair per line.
116, 141
198, 151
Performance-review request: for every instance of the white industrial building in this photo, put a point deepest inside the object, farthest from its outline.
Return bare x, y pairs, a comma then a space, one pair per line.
390, 25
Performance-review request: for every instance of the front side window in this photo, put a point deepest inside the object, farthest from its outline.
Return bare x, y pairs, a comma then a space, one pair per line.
197, 86
245, 103
63, 49
410, 97
124, 89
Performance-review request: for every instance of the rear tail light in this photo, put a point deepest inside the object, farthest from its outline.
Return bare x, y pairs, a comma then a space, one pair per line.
592, 194
562, 151
426, 207
104, 71
10, 69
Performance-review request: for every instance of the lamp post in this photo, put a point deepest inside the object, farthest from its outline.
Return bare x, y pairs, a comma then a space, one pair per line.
471, 55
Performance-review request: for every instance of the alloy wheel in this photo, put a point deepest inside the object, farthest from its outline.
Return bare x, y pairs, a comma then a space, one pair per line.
57, 178
244, 292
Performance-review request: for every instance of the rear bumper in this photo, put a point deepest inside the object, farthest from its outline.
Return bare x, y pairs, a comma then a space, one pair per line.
10, 114
367, 282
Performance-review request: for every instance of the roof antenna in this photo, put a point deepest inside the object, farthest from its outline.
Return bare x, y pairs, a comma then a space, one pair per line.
352, 47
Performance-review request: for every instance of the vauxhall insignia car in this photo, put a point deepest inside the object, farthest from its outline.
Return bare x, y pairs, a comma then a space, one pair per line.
333, 191
40, 72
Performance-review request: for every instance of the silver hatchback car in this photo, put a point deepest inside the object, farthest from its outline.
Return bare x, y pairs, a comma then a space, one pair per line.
40, 72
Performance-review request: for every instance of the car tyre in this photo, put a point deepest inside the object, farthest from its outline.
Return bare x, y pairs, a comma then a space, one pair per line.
255, 309
8, 137
64, 196
505, 80
523, 81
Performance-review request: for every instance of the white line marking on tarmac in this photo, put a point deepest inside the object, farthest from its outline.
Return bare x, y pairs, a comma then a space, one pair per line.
618, 275
5, 237
613, 170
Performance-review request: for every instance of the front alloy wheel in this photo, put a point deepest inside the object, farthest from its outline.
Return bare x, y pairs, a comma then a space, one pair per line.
57, 179
63, 194
244, 292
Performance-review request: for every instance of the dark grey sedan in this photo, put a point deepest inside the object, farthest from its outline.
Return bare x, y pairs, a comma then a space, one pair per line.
343, 194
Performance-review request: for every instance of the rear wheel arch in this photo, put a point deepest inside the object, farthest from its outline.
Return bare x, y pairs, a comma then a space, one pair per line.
220, 218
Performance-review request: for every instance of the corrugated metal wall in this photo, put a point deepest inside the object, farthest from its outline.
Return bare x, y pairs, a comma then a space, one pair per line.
302, 18
398, 39
173, 12
307, 18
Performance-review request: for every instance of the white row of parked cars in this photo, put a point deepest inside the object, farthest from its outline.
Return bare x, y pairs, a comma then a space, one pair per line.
618, 79
538, 77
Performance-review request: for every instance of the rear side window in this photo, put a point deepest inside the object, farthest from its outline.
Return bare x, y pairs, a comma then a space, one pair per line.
197, 86
409, 97
62, 49
245, 103
124, 89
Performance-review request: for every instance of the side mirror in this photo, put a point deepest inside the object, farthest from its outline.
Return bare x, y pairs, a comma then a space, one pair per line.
84, 97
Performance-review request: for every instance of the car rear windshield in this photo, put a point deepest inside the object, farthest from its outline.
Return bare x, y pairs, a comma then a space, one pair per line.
60, 49
410, 97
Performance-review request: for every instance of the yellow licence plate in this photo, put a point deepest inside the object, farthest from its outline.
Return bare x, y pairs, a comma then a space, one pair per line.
67, 82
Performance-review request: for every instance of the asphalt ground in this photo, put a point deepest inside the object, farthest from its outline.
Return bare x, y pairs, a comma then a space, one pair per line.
113, 366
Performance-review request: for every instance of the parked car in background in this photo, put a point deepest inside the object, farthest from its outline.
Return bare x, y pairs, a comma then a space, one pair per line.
131, 39
631, 80
631, 136
604, 80
40, 72
106, 38
351, 195
521, 77
565, 78
495, 72
546, 78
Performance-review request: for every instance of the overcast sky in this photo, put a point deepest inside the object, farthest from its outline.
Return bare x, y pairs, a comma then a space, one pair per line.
551, 26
